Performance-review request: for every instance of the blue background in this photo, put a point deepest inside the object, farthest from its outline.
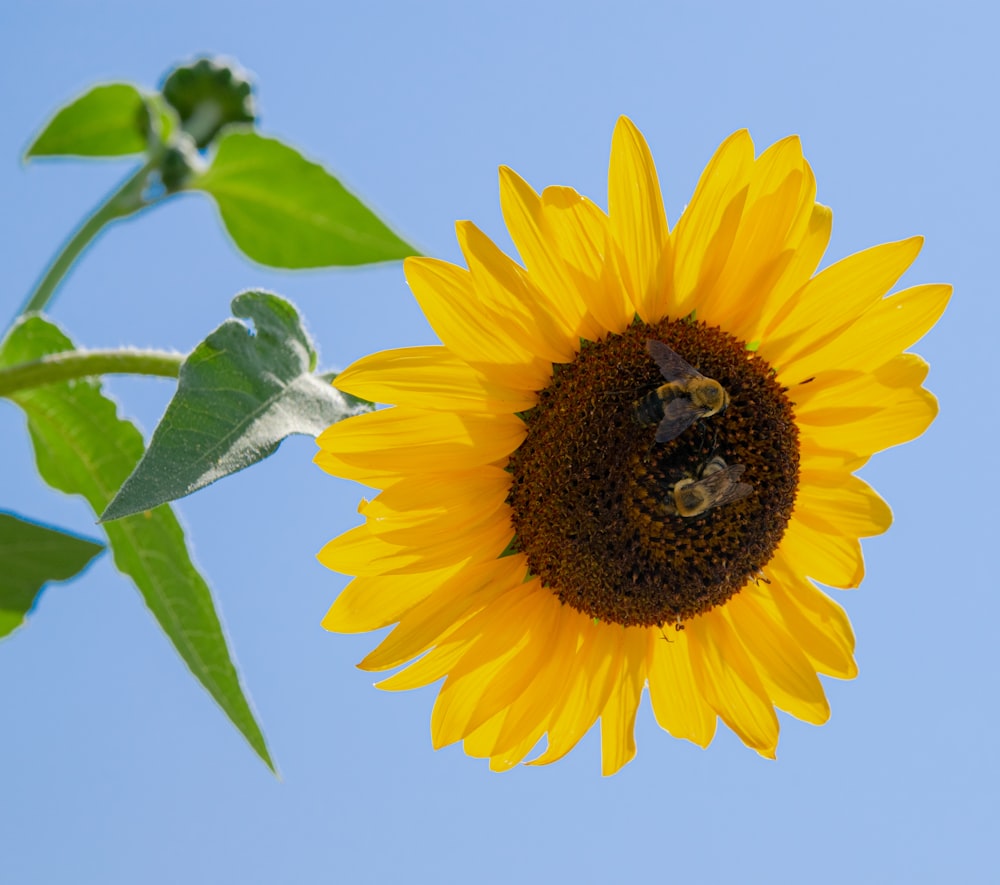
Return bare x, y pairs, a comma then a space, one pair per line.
120, 769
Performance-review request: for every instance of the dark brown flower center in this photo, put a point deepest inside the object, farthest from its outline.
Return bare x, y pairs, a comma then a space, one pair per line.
595, 499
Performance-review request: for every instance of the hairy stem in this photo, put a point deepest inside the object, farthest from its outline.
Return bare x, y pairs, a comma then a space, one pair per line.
125, 200
74, 364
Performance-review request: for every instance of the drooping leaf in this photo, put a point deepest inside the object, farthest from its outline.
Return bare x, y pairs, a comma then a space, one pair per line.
32, 555
286, 211
239, 394
82, 447
110, 120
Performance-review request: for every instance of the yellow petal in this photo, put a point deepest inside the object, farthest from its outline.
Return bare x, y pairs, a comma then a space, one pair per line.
886, 329
832, 559
638, 222
530, 714
518, 676
788, 677
678, 705
540, 249
507, 759
430, 378
707, 227
866, 412
761, 251
493, 638
518, 306
436, 503
368, 603
727, 678
430, 668
471, 329
596, 667
833, 502
820, 626
450, 604
807, 253
403, 441
583, 233
833, 299
359, 552
482, 741
618, 716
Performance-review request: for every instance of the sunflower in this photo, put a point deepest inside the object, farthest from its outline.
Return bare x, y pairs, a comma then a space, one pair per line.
563, 522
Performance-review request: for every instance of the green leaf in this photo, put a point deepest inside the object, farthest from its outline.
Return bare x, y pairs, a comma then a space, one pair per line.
31, 555
240, 393
285, 211
107, 121
83, 448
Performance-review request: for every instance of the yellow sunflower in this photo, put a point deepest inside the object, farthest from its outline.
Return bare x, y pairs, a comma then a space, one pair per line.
564, 520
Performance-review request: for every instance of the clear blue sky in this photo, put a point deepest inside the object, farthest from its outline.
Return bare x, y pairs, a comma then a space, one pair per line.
119, 769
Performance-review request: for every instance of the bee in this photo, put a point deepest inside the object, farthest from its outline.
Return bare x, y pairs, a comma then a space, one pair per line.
715, 484
687, 396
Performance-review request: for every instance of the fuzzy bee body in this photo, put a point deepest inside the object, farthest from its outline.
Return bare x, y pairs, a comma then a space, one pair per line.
687, 396
715, 484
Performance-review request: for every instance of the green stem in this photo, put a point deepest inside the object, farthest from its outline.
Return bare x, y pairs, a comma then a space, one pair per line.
73, 364
125, 200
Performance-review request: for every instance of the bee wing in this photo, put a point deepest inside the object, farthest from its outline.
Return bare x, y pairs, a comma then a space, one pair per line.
722, 487
671, 365
678, 415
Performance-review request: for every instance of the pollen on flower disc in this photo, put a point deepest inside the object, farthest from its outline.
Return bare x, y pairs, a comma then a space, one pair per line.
591, 487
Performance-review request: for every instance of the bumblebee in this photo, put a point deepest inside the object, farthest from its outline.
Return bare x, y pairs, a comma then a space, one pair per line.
687, 396
715, 484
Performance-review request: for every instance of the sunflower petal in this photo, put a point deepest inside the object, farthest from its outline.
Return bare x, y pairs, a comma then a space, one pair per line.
449, 605
867, 412
832, 300
360, 552
583, 236
417, 508
831, 558
830, 501
819, 625
539, 248
882, 332
597, 664
707, 227
429, 378
760, 250
638, 222
529, 715
728, 679
679, 707
493, 638
618, 716
515, 299
369, 603
403, 441
471, 329
788, 677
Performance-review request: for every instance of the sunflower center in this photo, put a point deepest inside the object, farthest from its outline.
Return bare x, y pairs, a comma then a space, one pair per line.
638, 532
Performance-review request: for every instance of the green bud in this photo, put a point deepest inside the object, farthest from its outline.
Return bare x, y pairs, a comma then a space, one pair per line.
208, 94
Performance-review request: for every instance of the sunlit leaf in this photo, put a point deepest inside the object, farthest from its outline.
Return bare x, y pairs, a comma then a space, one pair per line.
110, 120
240, 393
82, 447
286, 211
32, 555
